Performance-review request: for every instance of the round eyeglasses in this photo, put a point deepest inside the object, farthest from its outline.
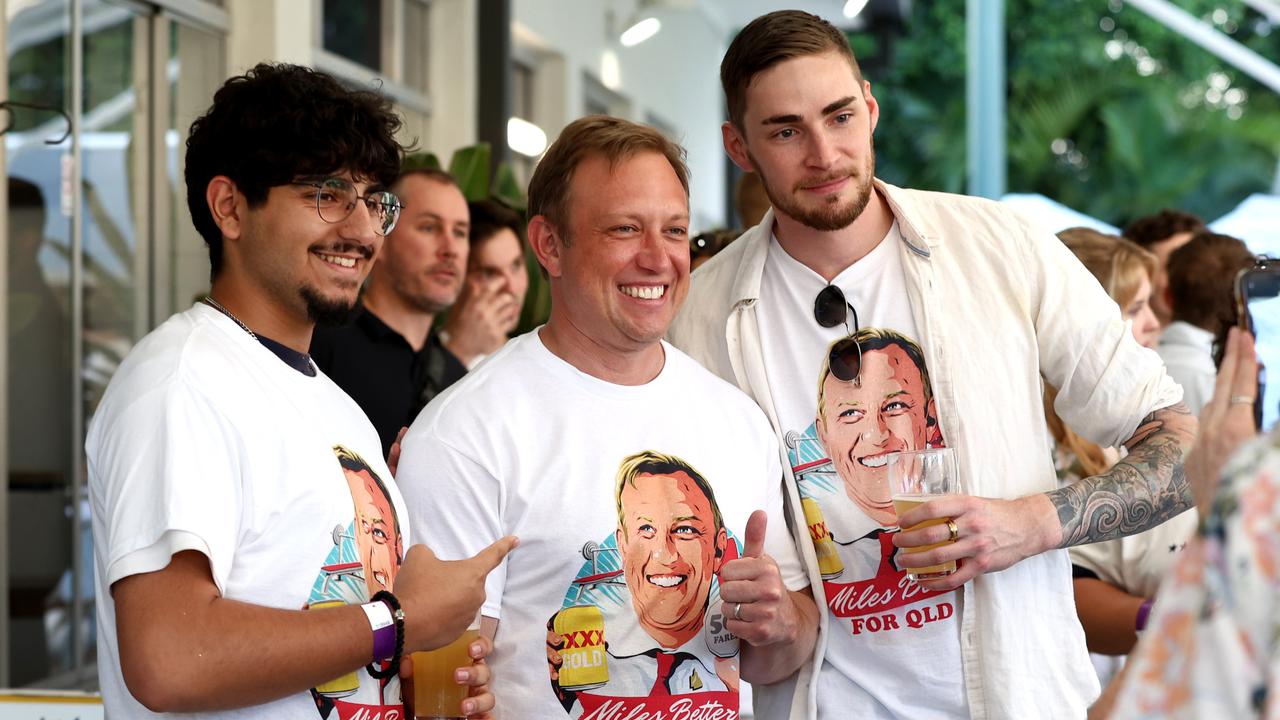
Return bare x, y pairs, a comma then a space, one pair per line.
336, 199
830, 309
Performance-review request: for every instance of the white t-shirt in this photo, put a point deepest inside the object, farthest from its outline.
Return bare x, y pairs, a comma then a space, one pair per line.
207, 441
1187, 352
528, 445
893, 649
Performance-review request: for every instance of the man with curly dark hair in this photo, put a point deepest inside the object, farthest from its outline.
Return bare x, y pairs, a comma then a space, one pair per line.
236, 566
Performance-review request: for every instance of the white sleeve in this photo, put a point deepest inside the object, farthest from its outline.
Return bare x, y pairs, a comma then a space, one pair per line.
1107, 383
454, 504
166, 472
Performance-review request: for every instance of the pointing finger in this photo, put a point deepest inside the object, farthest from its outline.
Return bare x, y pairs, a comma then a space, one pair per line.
492, 556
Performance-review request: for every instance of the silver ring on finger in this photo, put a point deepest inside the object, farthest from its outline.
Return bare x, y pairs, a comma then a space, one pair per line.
1241, 400
737, 612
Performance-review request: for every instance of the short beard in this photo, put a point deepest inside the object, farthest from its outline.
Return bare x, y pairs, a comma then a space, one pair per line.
426, 305
324, 312
830, 217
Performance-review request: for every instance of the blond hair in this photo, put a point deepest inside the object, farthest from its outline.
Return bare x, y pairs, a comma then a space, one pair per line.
1119, 264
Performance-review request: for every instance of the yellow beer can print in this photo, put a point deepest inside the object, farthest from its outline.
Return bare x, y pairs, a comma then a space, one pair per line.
585, 665
829, 562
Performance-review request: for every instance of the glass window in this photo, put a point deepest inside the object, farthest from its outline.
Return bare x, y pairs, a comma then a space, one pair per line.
353, 30
128, 116
417, 31
39, 420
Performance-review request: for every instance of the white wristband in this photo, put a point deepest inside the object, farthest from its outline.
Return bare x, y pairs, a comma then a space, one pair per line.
379, 615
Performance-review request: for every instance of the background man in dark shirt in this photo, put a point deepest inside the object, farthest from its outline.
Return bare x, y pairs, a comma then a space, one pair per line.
389, 359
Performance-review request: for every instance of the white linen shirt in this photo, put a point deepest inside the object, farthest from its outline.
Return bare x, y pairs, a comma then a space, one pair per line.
997, 302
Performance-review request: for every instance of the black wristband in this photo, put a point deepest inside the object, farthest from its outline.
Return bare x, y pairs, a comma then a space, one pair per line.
393, 668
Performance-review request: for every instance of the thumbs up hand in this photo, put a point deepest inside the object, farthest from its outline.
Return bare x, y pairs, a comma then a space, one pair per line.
758, 607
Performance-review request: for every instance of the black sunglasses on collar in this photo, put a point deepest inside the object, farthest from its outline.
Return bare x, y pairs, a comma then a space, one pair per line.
830, 309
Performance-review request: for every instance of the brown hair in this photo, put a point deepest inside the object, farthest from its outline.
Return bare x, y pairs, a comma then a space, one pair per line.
489, 217
1152, 229
615, 139
1202, 276
1120, 266
769, 40
1117, 263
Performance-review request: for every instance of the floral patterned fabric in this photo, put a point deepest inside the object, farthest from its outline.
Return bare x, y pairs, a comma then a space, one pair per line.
1212, 649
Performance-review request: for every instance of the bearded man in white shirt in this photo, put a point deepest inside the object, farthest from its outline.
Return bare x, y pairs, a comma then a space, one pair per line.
994, 303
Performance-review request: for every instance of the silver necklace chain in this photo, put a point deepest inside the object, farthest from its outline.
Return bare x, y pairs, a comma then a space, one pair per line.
207, 300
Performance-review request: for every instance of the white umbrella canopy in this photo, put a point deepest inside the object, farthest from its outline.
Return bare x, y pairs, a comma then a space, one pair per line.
1256, 221
1053, 215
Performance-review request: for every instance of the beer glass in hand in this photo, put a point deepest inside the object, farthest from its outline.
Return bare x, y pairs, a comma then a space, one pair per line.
915, 477
436, 694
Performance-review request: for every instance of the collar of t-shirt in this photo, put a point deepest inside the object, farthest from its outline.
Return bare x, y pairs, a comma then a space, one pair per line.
294, 359
867, 266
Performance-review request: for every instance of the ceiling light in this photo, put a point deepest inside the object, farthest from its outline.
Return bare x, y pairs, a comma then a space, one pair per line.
525, 138
610, 70
640, 32
853, 7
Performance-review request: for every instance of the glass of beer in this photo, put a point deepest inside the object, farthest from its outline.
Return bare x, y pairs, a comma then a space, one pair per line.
915, 477
436, 695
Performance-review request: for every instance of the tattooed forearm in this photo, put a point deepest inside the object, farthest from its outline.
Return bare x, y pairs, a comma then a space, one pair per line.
1140, 492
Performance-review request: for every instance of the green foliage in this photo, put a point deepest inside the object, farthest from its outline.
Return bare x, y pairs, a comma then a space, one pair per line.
1116, 131
470, 167
421, 161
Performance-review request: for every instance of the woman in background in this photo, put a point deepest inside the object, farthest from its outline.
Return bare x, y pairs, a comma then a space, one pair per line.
1115, 582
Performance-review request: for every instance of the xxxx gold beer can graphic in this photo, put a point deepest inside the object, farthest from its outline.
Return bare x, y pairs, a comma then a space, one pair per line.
584, 665
829, 563
342, 686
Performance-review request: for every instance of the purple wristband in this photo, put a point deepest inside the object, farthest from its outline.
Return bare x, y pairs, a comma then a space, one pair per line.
384, 643
1144, 610
382, 623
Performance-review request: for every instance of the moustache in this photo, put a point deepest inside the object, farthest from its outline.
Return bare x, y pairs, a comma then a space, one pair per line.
364, 251
824, 179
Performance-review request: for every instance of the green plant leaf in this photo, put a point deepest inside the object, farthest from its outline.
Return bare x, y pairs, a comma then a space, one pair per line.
470, 167
421, 161
507, 189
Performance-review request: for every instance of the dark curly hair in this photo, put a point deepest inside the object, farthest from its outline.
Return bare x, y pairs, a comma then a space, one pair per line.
1149, 230
279, 122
